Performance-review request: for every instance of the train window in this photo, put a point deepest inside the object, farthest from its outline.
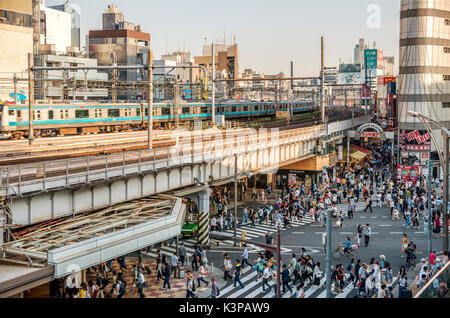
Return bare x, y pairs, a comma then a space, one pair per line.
66, 112
204, 110
256, 107
233, 109
113, 113
11, 112
166, 111
138, 111
50, 114
37, 114
245, 108
19, 113
61, 114
146, 112
81, 113
185, 110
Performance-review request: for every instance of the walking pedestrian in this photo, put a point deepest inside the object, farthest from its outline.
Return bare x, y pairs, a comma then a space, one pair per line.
244, 257
166, 274
237, 274
140, 284
215, 291
190, 286
367, 232
201, 274
182, 253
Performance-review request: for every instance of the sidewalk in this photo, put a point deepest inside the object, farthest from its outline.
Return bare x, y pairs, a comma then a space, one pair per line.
153, 289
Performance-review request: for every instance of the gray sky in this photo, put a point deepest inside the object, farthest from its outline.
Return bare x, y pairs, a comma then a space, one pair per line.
270, 33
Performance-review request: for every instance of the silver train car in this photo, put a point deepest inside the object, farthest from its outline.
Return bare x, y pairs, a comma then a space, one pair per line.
85, 118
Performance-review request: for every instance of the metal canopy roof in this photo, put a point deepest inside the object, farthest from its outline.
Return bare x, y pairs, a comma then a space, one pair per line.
38, 243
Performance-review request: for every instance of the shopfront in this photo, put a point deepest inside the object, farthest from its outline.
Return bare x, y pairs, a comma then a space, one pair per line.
307, 172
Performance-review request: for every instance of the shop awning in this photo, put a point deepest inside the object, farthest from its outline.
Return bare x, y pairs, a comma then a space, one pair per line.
358, 155
361, 149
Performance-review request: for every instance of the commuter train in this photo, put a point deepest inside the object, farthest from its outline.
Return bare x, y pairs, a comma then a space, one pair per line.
83, 118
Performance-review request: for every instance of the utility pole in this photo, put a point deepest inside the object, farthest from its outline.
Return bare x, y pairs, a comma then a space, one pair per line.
235, 196
30, 99
365, 85
114, 79
279, 261
328, 256
446, 175
430, 219
176, 104
213, 84
150, 99
322, 80
15, 88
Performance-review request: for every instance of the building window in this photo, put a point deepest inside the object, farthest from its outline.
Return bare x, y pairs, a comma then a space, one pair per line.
50, 114
446, 105
81, 113
447, 22
446, 77
446, 49
113, 112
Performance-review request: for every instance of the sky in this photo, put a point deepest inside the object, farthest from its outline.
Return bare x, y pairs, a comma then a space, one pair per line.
270, 33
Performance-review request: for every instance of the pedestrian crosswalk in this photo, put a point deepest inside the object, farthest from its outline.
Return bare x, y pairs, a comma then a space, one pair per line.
253, 288
359, 206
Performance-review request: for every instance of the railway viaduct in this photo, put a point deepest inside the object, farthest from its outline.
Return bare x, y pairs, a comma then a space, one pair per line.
122, 189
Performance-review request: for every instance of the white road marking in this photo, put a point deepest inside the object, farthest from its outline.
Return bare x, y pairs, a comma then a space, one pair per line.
298, 232
385, 225
395, 232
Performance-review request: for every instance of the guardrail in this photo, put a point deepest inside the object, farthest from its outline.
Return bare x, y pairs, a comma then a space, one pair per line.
439, 289
48, 175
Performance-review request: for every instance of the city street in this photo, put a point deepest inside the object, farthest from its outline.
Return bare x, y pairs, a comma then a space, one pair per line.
385, 240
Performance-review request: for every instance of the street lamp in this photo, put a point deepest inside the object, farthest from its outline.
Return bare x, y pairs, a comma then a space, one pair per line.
443, 158
274, 249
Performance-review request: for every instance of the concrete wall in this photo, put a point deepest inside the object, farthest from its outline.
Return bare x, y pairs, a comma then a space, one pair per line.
15, 44
22, 6
59, 28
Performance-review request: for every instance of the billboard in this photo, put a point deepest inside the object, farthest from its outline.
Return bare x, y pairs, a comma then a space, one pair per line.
371, 58
380, 59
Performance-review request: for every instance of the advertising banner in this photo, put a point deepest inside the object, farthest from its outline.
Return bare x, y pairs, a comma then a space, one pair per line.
371, 58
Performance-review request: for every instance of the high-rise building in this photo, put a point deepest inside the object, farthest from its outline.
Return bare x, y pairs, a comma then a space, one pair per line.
226, 59
122, 43
57, 28
424, 75
16, 41
424, 70
358, 52
75, 13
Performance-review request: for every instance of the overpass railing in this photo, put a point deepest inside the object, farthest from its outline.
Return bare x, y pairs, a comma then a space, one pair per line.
43, 176
437, 286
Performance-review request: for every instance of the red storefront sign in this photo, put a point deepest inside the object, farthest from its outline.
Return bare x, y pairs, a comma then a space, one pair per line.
408, 173
415, 135
370, 134
389, 79
418, 148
